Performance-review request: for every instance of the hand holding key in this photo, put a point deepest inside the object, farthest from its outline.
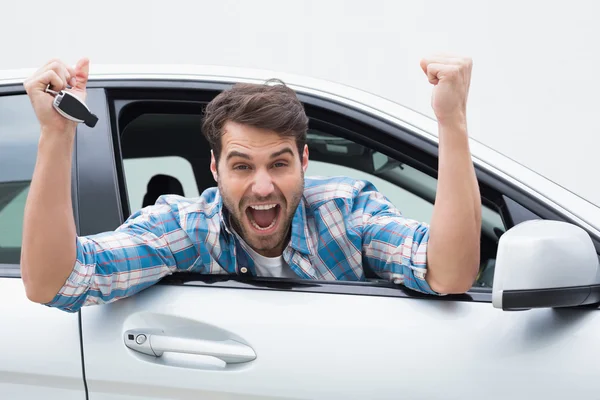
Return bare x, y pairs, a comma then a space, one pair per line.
56, 76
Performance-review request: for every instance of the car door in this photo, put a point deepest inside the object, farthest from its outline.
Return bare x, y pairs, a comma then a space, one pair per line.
40, 348
193, 336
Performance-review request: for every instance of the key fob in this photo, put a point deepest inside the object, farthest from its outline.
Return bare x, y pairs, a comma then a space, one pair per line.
70, 107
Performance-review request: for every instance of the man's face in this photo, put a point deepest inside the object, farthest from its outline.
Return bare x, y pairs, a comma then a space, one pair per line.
261, 180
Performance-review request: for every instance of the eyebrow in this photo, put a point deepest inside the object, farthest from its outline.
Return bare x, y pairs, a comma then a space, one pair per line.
281, 152
239, 154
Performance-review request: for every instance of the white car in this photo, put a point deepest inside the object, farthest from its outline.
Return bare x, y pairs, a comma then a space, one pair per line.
528, 328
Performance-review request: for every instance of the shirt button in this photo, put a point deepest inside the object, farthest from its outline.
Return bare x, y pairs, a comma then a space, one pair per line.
244, 270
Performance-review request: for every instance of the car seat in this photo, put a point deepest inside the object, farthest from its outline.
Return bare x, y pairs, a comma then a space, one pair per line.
161, 184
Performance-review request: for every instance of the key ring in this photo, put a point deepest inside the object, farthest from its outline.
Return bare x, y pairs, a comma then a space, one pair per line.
52, 92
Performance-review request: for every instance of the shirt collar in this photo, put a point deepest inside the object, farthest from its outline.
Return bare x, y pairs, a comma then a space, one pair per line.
299, 236
223, 213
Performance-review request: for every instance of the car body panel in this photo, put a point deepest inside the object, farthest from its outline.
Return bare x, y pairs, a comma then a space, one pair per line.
338, 346
40, 350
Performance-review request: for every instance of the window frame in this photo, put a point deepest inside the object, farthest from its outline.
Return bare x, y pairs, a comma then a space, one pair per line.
423, 156
14, 270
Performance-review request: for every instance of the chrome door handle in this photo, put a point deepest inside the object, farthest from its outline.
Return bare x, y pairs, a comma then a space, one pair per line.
155, 343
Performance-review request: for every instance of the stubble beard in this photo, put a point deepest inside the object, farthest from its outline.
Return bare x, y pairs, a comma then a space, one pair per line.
278, 239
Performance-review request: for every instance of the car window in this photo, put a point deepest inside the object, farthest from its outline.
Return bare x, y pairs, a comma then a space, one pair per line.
410, 190
408, 203
149, 177
399, 182
154, 165
19, 134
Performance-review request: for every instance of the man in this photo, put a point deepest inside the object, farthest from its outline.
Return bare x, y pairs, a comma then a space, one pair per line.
265, 218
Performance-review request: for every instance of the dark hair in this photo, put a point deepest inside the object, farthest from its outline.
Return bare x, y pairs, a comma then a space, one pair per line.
271, 106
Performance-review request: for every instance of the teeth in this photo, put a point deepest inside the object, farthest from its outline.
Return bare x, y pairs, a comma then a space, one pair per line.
264, 206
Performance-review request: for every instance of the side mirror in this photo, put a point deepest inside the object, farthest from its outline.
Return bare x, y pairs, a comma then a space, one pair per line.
542, 263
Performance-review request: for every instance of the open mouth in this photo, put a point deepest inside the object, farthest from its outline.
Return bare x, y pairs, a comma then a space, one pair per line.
263, 217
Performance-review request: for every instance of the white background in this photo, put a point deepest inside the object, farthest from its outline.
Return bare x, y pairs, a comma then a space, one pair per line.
534, 93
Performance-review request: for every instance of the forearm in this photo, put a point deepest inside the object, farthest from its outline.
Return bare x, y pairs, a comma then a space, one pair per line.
454, 244
49, 249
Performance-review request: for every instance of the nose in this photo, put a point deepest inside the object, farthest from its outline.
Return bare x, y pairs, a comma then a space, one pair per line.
263, 184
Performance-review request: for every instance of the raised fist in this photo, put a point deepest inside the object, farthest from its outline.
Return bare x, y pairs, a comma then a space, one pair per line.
60, 77
451, 77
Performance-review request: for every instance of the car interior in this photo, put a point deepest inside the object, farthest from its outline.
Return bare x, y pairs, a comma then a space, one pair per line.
159, 185
150, 130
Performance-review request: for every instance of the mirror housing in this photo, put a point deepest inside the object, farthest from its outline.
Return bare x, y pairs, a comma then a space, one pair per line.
544, 263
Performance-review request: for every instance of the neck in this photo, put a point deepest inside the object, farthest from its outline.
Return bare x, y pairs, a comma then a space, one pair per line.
271, 253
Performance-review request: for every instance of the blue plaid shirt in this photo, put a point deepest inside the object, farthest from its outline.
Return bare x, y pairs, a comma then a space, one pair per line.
340, 225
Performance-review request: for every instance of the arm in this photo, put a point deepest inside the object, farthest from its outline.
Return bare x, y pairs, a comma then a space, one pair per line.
454, 245
62, 270
48, 249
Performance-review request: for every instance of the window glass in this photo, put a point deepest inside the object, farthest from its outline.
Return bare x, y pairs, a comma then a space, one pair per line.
148, 178
330, 156
19, 134
409, 204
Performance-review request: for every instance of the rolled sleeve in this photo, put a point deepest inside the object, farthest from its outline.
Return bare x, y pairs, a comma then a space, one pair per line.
72, 295
394, 247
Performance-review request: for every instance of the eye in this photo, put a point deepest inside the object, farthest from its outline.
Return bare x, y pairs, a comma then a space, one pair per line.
280, 165
241, 167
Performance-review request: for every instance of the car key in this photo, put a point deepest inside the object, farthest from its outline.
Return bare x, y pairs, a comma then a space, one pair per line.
70, 107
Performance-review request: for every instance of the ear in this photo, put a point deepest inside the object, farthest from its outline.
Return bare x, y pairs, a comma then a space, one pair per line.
213, 166
305, 158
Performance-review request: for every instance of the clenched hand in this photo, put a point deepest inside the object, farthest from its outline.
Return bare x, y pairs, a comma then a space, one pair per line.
60, 77
451, 77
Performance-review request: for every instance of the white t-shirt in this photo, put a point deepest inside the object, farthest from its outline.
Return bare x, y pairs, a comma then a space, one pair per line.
268, 266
